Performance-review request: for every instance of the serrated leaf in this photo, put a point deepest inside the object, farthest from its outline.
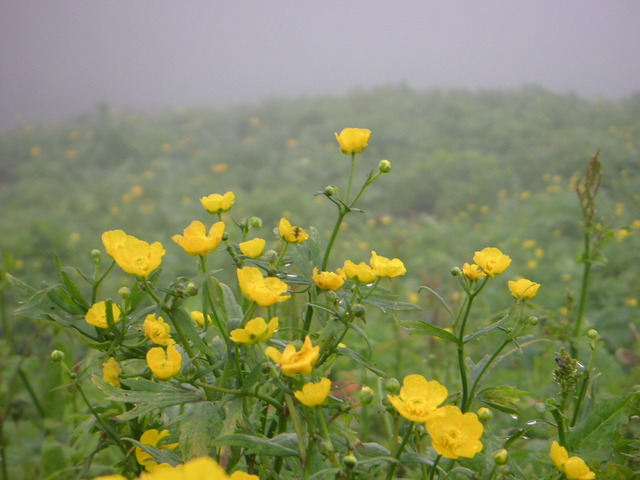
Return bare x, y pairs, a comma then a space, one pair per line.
601, 426
254, 445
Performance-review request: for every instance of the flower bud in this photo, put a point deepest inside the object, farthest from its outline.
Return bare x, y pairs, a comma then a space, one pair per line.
384, 166
57, 356
331, 296
366, 395
484, 414
225, 236
96, 254
501, 457
540, 407
592, 334
532, 320
392, 385
191, 290
329, 190
350, 462
358, 310
455, 271
255, 222
124, 292
73, 376
272, 256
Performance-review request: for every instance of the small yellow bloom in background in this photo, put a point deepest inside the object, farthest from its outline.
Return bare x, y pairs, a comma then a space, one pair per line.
622, 234
353, 140
263, 291
110, 477
35, 151
631, 302
253, 248
635, 224
529, 244
291, 234
619, 209
156, 330
492, 261
473, 271
198, 317
219, 168
134, 256
418, 398
97, 314
329, 280
523, 289
292, 361
216, 203
164, 365
196, 240
574, 468
256, 330
455, 434
539, 252
71, 154
152, 437
361, 272
111, 372
532, 264
314, 394
385, 267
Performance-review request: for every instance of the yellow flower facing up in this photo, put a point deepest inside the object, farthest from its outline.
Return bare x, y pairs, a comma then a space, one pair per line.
523, 289
353, 140
455, 434
361, 272
418, 398
134, 256
263, 291
473, 271
152, 437
256, 330
216, 203
291, 234
386, 268
314, 394
253, 248
573, 467
492, 261
196, 240
292, 361
157, 330
97, 314
164, 365
329, 280
111, 372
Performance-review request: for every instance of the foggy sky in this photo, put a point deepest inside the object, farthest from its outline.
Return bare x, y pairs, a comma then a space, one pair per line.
60, 58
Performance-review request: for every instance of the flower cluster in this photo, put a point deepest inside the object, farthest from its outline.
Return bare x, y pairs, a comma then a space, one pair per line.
573, 467
133, 255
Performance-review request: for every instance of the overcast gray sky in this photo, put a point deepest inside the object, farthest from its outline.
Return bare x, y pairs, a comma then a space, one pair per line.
60, 58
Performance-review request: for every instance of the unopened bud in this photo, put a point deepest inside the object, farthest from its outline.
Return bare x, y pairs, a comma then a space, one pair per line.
392, 385
225, 236
455, 271
191, 290
96, 254
350, 462
501, 457
366, 395
592, 334
57, 356
331, 296
124, 292
272, 256
329, 190
255, 222
532, 320
484, 414
384, 166
358, 310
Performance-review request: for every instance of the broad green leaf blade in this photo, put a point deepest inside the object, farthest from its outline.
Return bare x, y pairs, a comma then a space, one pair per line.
423, 328
254, 445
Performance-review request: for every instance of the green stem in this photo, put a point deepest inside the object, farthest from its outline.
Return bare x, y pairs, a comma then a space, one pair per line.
434, 467
405, 439
297, 425
353, 164
327, 436
32, 394
476, 382
332, 239
584, 290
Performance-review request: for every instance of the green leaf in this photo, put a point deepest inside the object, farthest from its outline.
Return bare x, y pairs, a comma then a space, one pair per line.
437, 295
359, 359
254, 445
423, 328
183, 319
71, 287
198, 427
160, 455
503, 398
484, 331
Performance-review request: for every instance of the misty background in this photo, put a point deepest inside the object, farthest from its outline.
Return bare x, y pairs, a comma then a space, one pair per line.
62, 58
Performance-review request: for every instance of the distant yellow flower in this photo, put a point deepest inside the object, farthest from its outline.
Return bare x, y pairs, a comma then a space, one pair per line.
134, 256
573, 467
198, 317
216, 203
386, 268
361, 272
152, 437
529, 244
219, 167
97, 314
110, 477
156, 330
329, 280
418, 398
291, 234
455, 434
353, 140
164, 365
622, 234
196, 240
473, 271
631, 302
523, 289
263, 291
111, 372
492, 261
35, 151
253, 248
256, 330
313, 394
292, 361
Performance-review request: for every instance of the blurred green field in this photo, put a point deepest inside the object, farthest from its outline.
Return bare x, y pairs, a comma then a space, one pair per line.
470, 170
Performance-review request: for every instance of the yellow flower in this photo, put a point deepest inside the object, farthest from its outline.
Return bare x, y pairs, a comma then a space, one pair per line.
196, 241
253, 248
418, 398
111, 372
163, 364
455, 434
492, 261
216, 203
473, 271
291, 234
386, 268
292, 361
263, 291
156, 330
134, 256
574, 468
362, 272
97, 314
256, 330
110, 477
198, 317
353, 140
313, 394
238, 475
329, 280
152, 437
523, 289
